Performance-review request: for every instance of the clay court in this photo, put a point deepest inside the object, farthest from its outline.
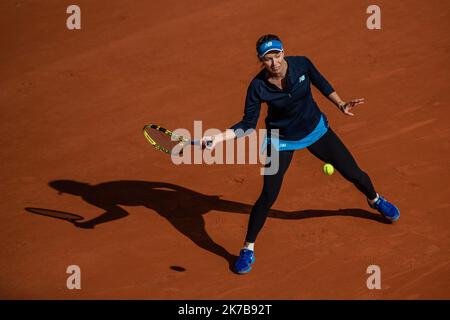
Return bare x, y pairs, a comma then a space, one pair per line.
74, 102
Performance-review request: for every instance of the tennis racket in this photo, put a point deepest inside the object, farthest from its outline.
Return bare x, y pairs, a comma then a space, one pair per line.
165, 140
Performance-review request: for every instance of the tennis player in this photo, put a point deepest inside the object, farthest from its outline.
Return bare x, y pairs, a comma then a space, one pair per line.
284, 84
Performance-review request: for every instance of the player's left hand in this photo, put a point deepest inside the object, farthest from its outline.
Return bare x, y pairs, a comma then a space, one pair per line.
346, 107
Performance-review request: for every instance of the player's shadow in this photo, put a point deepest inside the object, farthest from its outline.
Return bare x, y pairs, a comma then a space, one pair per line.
181, 207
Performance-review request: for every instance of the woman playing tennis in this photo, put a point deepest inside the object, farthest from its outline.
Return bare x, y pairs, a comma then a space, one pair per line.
284, 84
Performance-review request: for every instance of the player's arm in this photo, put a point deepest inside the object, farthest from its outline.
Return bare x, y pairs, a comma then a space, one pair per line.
334, 97
319, 81
246, 125
345, 107
218, 138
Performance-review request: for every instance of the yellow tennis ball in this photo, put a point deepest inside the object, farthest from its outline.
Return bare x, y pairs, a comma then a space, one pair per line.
328, 169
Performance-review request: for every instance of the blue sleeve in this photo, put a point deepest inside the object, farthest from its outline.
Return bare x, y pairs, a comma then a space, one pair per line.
318, 80
251, 112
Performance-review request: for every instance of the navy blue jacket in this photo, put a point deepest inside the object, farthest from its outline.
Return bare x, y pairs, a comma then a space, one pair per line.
292, 111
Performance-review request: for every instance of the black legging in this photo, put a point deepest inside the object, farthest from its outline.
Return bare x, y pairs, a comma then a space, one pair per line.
330, 149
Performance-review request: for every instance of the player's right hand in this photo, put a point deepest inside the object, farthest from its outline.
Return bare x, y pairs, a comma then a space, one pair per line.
208, 142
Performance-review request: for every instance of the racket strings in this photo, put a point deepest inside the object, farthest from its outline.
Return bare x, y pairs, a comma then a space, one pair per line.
162, 140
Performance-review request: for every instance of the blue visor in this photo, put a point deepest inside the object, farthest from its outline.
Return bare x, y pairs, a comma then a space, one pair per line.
272, 45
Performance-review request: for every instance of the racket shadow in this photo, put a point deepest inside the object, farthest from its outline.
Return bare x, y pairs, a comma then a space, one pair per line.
67, 216
183, 208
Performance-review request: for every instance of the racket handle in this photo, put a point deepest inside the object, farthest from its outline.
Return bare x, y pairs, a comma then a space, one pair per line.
207, 145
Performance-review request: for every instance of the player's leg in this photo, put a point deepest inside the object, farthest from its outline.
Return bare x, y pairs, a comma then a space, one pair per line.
271, 189
330, 149
258, 215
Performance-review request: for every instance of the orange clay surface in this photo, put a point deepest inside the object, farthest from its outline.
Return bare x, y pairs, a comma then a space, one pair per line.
73, 104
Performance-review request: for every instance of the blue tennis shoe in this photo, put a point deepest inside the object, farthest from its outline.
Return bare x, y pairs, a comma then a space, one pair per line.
387, 209
244, 262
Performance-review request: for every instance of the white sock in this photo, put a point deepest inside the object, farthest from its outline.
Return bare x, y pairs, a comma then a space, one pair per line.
249, 245
374, 200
